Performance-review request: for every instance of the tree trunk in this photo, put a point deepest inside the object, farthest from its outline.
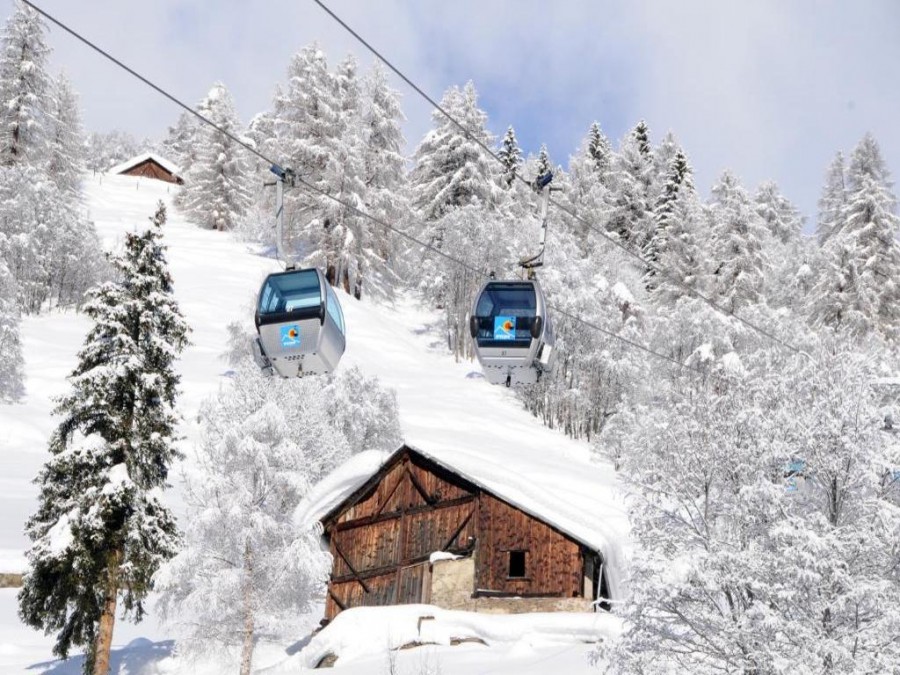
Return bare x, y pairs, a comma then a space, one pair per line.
249, 628
108, 615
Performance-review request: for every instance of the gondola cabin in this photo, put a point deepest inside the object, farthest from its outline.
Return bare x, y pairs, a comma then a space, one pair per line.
512, 332
419, 532
300, 324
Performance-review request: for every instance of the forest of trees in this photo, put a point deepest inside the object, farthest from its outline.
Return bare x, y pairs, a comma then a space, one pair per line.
760, 453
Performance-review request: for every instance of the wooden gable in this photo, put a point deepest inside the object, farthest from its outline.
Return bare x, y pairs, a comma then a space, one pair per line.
150, 168
381, 538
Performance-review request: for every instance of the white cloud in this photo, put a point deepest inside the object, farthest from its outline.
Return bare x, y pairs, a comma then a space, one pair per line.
769, 89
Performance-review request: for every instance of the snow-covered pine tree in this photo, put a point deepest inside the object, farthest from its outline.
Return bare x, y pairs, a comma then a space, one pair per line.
453, 173
384, 176
65, 164
451, 169
344, 233
589, 177
672, 246
642, 136
786, 250
737, 239
543, 166
599, 150
306, 120
511, 155
24, 85
628, 197
663, 155
859, 286
101, 530
217, 189
11, 373
177, 145
780, 216
833, 200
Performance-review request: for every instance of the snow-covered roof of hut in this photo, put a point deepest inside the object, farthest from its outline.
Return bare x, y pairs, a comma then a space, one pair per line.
578, 499
140, 159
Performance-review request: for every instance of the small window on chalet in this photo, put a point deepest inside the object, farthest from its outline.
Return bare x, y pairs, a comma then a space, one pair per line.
516, 564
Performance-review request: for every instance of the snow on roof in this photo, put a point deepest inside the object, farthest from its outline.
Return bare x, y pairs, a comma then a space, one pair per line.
362, 631
134, 161
338, 486
578, 502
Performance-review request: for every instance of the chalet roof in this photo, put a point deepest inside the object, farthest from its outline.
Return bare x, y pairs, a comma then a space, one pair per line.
575, 500
140, 159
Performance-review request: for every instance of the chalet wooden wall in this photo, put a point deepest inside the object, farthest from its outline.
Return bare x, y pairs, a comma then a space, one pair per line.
382, 541
382, 537
553, 562
150, 169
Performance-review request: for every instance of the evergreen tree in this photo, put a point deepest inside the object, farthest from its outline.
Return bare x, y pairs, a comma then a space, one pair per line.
180, 139
737, 239
672, 246
453, 186
451, 169
833, 200
24, 86
543, 166
217, 190
66, 164
101, 531
780, 216
642, 136
599, 150
307, 120
589, 172
11, 363
344, 233
629, 192
859, 288
511, 155
384, 175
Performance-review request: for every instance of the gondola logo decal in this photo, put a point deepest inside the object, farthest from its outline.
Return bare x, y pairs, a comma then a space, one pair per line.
290, 336
504, 328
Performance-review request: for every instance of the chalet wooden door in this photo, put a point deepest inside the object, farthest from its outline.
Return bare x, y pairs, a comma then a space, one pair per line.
413, 584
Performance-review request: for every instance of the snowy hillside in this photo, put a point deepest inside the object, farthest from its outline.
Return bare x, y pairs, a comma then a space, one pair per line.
446, 409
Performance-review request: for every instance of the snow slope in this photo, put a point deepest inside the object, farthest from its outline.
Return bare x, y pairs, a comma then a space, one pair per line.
446, 409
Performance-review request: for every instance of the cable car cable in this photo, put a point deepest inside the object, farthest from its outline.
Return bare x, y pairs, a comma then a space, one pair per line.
688, 289
320, 191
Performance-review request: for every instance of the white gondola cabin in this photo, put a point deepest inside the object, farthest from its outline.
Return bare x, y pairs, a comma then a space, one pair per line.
300, 324
512, 332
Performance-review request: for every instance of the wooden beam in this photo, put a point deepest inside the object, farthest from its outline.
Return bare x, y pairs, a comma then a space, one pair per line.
355, 574
371, 520
458, 530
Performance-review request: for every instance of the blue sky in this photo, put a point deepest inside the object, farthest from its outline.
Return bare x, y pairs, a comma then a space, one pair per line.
769, 89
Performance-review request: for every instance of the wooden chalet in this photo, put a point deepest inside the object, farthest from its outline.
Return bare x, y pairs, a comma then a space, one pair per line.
149, 165
418, 531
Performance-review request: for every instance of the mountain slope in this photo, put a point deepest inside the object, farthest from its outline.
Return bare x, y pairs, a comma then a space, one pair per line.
446, 408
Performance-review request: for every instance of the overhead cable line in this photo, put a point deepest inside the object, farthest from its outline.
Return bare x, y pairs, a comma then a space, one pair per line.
314, 188
605, 235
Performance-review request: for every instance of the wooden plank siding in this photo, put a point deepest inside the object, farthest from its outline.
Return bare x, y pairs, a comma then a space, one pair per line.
382, 536
150, 169
382, 539
553, 561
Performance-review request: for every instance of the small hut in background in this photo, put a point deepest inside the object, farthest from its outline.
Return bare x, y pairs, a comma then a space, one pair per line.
149, 165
